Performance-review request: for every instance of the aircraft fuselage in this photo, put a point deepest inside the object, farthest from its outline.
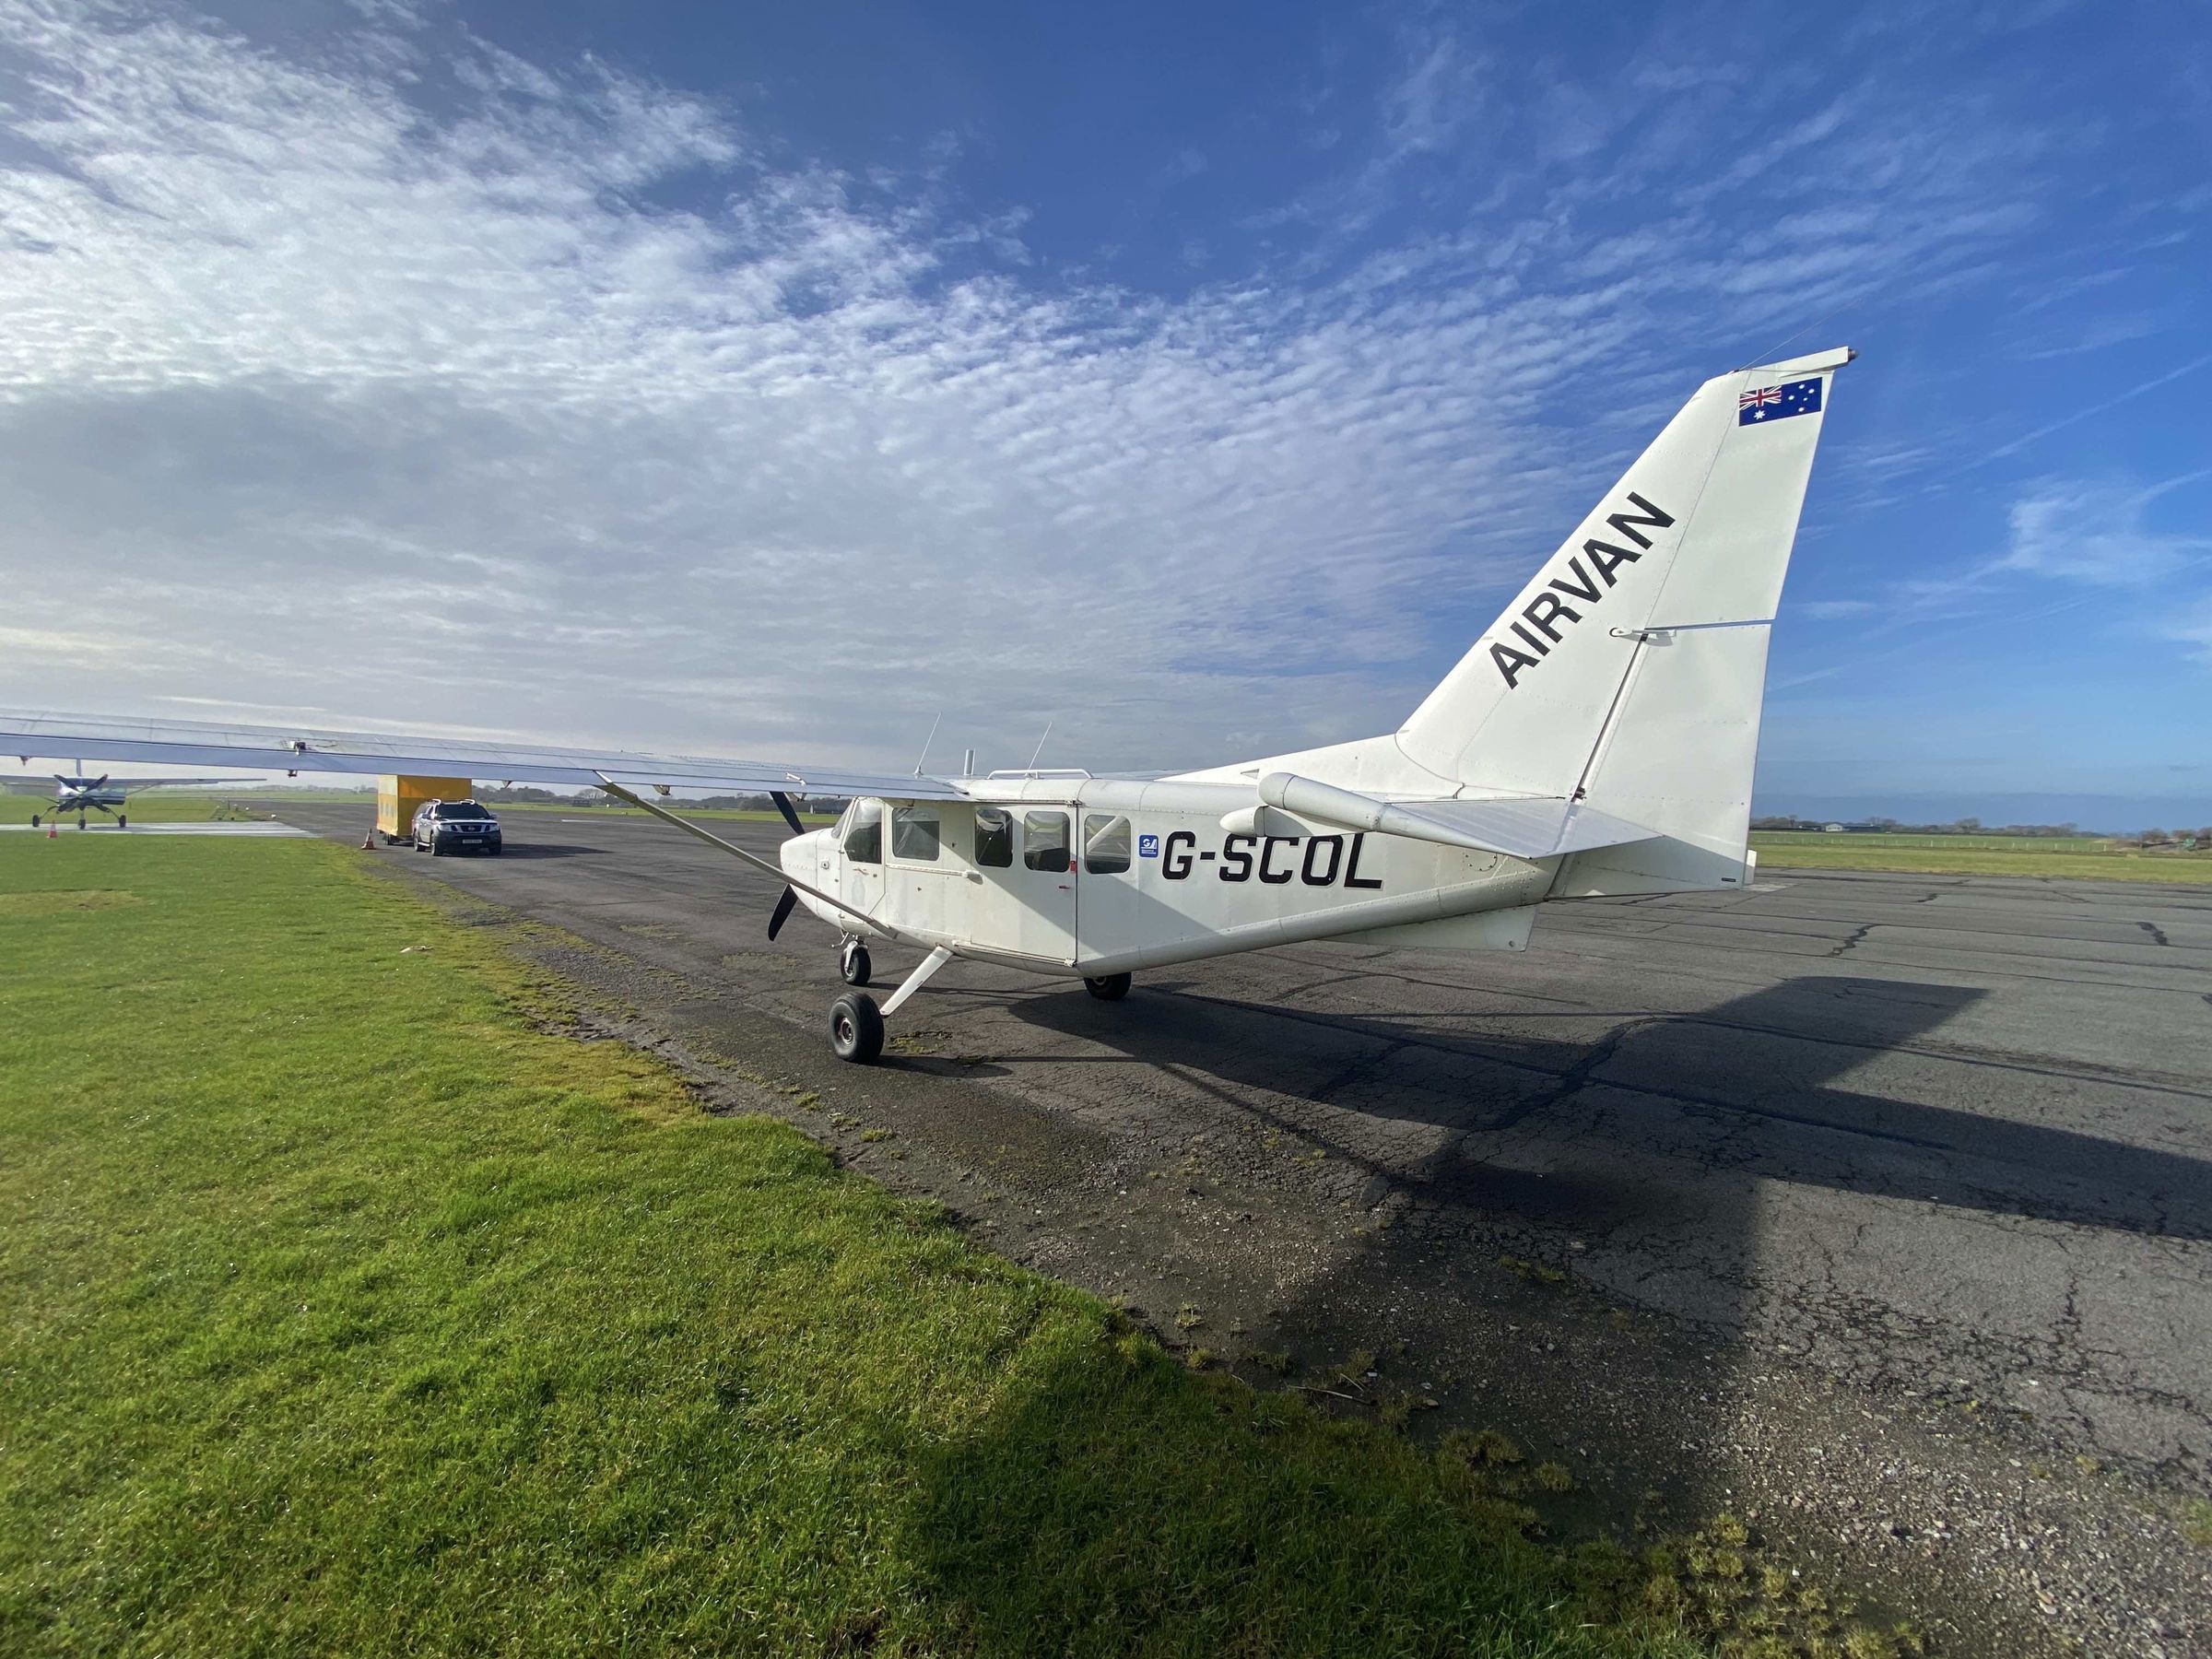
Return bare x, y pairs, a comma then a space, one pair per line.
1097, 876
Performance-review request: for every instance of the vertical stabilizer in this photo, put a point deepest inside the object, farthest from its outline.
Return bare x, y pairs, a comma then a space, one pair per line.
1631, 671
1628, 675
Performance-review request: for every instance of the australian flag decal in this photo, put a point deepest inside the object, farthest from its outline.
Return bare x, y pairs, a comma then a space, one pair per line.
1778, 403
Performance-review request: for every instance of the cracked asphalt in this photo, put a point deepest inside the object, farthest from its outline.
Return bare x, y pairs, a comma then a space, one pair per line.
1877, 1208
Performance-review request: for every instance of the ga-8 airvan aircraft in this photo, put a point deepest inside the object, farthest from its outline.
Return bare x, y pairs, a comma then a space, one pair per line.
1598, 739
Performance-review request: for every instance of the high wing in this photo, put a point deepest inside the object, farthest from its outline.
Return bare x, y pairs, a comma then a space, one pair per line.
300, 749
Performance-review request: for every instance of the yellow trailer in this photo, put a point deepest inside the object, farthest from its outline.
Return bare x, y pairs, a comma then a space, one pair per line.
399, 798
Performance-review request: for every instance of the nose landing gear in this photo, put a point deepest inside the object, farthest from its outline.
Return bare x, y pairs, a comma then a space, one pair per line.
853, 964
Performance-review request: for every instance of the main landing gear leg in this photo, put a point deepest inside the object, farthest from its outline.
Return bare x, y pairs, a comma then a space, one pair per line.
856, 1023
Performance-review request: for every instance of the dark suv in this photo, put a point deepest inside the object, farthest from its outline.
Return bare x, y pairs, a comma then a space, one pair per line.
456, 827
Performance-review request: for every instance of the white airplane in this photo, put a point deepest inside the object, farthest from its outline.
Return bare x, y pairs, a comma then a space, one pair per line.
104, 794
1598, 739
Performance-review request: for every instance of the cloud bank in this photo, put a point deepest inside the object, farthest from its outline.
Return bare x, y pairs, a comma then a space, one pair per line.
402, 377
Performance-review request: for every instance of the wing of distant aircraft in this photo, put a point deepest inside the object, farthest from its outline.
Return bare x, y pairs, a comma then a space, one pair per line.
43, 783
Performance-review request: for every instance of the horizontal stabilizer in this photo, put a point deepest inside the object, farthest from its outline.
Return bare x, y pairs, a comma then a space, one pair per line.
1519, 827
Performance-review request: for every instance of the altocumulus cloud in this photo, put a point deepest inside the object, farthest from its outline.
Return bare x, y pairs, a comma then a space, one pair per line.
405, 377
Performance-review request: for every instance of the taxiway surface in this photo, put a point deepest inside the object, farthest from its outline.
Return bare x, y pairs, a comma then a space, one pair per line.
1880, 1205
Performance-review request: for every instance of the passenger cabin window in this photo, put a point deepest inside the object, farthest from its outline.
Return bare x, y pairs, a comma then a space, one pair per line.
863, 833
1044, 840
993, 837
1105, 843
914, 833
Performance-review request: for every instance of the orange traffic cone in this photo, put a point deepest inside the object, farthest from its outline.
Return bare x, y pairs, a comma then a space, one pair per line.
368, 841
52, 832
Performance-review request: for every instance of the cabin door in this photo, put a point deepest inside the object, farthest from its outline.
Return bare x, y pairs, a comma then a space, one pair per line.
1022, 881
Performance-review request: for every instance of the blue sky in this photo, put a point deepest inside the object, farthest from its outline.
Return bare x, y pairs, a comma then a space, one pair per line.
770, 379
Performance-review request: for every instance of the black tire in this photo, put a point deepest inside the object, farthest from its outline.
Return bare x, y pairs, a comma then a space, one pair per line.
80, 823
1109, 987
34, 820
433, 846
856, 1028
853, 964
495, 852
123, 820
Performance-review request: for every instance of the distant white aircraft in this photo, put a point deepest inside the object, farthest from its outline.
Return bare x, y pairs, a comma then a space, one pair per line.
1598, 739
103, 793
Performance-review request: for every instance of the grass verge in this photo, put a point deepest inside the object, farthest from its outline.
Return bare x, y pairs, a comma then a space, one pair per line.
1865, 852
350, 1310
155, 807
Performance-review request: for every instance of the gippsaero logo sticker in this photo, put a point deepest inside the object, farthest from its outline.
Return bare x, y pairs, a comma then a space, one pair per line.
1148, 846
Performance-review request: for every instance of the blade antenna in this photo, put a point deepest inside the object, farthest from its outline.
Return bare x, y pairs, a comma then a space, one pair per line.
1039, 750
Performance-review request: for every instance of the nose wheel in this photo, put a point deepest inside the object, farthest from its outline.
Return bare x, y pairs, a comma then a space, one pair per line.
853, 964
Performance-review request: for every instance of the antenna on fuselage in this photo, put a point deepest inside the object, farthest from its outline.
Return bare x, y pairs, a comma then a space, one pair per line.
1048, 732
928, 740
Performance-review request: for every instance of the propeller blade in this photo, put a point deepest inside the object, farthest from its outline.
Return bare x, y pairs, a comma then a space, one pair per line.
790, 814
786, 904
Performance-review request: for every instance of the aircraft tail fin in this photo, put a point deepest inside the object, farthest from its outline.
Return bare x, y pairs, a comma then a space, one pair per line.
1630, 673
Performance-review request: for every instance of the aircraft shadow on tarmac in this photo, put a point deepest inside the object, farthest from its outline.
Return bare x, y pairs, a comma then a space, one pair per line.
1632, 1130
1651, 1146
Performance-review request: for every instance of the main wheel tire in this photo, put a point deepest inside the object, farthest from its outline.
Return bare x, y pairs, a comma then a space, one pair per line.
123, 820
853, 964
1109, 987
34, 820
856, 1028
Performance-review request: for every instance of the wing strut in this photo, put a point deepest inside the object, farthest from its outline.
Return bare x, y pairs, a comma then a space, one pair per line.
916, 980
754, 859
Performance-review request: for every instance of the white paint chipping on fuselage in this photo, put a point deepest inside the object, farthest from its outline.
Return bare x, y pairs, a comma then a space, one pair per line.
1191, 889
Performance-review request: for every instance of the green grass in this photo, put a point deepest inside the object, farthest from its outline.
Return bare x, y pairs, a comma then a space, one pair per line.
352, 1309
1948, 855
155, 807
1890, 842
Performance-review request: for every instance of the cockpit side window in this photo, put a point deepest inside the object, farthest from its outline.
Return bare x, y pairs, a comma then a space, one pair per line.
863, 833
914, 832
